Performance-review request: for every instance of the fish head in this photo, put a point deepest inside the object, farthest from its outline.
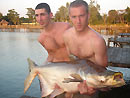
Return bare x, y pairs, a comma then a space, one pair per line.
114, 79
107, 78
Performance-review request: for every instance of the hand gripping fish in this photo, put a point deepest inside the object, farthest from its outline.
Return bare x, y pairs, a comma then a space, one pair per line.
57, 78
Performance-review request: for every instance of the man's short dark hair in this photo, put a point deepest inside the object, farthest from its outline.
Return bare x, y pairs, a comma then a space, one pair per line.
43, 6
78, 3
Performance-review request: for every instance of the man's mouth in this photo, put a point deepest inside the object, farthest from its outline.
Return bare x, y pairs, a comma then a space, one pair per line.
41, 23
78, 26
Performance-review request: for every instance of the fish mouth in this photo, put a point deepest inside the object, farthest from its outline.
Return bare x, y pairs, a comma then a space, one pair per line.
118, 79
117, 76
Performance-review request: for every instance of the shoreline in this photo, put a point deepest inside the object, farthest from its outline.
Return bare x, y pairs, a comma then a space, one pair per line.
102, 29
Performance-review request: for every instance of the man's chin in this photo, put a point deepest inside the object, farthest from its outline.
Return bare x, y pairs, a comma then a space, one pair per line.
79, 30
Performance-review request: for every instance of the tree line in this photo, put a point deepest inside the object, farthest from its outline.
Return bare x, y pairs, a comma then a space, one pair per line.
112, 17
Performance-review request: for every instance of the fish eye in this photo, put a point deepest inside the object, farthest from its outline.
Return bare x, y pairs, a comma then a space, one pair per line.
102, 79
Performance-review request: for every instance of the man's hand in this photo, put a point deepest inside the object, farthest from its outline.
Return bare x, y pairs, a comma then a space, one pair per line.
84, 89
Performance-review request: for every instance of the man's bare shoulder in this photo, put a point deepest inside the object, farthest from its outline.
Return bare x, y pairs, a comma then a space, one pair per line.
96, 38
95, 35
62, 24
69, 32
98, 41
41, 37
99, 38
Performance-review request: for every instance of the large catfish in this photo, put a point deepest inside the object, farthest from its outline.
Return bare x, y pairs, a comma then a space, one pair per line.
57, 78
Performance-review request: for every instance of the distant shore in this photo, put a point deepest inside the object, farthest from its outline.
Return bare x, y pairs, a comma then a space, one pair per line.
103, 29
27, 26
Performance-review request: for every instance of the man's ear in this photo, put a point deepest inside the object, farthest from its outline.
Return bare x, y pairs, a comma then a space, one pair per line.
88, 15
69, 17
51, 14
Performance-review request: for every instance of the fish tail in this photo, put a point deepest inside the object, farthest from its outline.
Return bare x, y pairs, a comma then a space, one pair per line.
32, 74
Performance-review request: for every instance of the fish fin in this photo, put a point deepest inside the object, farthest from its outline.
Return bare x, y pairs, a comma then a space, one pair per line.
67, 80
31, 64
76, 76
31, 76
56, 92
29, 80
68, 95
46, 88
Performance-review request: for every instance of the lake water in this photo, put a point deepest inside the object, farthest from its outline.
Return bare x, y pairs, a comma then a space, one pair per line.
15, 48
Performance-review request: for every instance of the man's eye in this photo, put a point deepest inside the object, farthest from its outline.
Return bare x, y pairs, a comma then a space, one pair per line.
73, 16
43, 14
81, 15
36, 15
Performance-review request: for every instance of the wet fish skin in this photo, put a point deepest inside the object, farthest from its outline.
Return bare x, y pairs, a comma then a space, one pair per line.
57, 78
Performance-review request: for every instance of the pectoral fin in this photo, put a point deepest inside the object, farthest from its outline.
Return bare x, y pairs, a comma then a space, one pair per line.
67, 80
75, 78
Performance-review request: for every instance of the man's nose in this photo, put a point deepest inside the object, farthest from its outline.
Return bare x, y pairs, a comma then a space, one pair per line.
78, 20
39, 18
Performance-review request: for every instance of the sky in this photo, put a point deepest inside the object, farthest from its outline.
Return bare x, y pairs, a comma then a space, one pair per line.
21, 5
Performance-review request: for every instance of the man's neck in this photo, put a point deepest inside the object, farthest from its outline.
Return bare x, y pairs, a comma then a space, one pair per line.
49, 27
85, 31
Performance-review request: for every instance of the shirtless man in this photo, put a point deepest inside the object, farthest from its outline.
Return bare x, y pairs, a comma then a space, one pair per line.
51, 37
82, 41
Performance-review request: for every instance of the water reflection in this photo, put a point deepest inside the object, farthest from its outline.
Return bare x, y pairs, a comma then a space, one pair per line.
15, 48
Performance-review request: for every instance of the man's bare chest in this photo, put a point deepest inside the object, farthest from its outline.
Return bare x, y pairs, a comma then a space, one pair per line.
51, 42
82, 49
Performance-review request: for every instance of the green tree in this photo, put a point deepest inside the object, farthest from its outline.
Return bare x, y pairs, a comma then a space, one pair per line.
6, 18
57, 16
13, 16
95, 17
1, 16
104, 18
24, 20
62, 13
127, 15
31, 15
112, 17
121, 15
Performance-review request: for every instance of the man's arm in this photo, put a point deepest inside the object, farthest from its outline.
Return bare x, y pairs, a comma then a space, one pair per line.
66, 41
100, 51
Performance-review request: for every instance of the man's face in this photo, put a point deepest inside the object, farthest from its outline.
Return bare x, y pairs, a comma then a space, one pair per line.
42, 17
79, 17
